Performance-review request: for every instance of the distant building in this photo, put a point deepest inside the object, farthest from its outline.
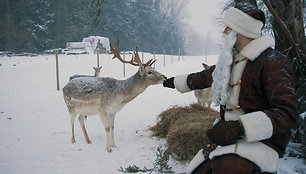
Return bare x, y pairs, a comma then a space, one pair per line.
92, 43
89, 45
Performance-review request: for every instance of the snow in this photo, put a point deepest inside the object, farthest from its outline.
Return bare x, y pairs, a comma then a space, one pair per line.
35, 125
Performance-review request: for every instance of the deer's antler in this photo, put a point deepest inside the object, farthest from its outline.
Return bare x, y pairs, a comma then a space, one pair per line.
135, 59
117, 55
150, 63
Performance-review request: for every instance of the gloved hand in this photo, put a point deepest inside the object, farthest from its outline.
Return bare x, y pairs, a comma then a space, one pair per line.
169, 83
225, 132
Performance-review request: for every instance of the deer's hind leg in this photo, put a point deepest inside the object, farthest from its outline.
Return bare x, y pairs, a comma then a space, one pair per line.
81, 120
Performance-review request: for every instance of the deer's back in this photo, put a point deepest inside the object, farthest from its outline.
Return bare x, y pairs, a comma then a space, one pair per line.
89, 88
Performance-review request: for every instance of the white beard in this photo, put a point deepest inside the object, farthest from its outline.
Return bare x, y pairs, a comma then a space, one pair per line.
222, 72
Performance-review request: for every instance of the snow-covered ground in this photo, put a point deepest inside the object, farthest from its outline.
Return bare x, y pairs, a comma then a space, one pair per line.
35, 125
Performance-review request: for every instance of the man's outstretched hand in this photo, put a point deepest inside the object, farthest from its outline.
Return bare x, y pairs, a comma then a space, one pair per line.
169, 83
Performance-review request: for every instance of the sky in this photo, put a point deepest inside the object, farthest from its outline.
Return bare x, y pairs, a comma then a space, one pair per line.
204, 32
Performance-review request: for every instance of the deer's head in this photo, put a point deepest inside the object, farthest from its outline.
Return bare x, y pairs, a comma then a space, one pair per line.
97, 69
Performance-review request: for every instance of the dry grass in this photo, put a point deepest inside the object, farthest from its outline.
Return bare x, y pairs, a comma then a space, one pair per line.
184, 128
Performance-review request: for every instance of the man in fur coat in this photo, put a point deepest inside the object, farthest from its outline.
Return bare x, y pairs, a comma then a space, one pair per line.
254, 86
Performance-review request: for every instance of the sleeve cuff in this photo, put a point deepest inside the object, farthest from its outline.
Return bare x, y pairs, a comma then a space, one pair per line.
180, 83
257, 126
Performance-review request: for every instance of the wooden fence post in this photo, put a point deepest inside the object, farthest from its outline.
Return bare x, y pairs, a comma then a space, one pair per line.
179, 53
142, 56
57, 70
164, 57
171, 56
154, 59
124, 64
182, 54
98, 64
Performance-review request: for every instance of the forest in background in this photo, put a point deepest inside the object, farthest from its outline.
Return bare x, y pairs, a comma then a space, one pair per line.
38, 25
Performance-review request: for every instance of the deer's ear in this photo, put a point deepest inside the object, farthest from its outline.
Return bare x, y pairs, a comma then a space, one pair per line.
141, 69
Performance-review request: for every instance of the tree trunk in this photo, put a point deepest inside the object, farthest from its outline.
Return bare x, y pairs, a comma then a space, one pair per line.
9, 28
60, 10
291, 13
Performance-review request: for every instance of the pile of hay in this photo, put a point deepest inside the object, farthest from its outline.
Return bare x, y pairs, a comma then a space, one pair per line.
184, 128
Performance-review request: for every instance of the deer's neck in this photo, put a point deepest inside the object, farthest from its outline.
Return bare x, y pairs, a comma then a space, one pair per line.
132, 87
97, 74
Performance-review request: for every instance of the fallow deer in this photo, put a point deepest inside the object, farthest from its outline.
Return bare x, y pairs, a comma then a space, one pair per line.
106, 96
97, 73
204, 96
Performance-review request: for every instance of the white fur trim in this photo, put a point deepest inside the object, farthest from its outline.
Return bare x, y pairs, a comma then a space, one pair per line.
256, 47
257, 126
259, 153
243, 23
180, 83
236, 74
233, 115
195, 162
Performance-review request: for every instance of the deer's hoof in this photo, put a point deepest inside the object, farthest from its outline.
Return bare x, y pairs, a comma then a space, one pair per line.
89, 142
72, 140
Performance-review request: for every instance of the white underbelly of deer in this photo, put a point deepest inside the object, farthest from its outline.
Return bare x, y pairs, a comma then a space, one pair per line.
94, 107
85, 96
86, 107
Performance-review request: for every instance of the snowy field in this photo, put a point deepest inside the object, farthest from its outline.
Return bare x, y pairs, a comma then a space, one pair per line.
35, 125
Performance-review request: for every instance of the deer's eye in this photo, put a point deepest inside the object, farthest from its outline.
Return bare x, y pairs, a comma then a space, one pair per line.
150, 72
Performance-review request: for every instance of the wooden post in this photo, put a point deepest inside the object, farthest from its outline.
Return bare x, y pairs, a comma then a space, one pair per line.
98, 64
179, 53
154, 59
57, 70
171, 56
164, 57
142, 56
124, 64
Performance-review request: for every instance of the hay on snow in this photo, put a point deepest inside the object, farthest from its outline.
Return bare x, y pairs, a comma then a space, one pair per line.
184, 128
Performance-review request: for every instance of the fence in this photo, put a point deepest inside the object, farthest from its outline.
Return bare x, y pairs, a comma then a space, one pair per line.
19, 77
124, 66
23, 76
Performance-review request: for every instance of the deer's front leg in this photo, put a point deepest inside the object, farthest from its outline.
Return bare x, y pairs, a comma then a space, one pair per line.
105, 121
112, 123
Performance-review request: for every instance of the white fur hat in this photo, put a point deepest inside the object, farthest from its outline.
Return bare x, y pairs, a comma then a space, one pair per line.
242, 23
